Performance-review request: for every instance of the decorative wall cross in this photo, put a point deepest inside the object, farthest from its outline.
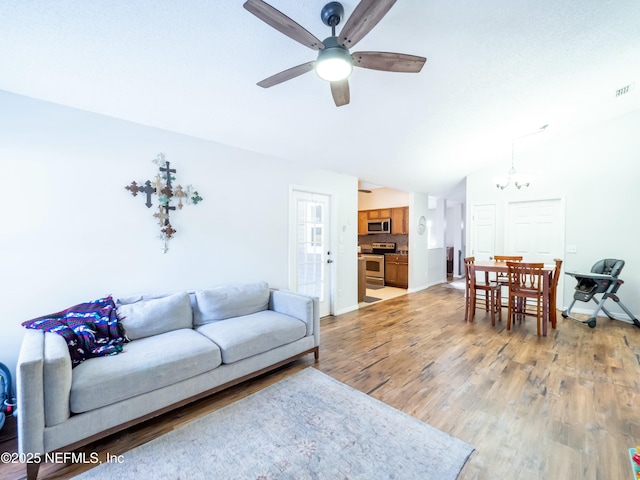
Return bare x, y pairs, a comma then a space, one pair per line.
162, 186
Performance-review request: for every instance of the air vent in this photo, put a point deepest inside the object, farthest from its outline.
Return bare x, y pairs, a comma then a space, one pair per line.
625, 90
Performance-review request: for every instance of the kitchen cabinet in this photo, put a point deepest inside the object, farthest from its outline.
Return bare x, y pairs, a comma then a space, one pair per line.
363, 216
380, 213
362, 279
400, 220
396, 270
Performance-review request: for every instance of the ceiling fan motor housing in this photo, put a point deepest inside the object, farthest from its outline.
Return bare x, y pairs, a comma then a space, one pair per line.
332, 13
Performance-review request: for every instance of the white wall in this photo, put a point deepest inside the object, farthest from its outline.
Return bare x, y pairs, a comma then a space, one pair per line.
597, 172
436, 226
418, 246
70, 232
454, 233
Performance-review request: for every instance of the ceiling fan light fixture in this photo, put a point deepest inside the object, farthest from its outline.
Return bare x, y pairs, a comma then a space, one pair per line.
334, 62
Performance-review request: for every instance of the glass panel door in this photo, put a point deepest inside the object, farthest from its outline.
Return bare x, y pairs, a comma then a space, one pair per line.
312, 256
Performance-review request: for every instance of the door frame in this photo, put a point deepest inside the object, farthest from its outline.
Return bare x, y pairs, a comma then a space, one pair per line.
331, 242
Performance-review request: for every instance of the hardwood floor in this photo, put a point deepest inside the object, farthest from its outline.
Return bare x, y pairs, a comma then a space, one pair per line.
560, 407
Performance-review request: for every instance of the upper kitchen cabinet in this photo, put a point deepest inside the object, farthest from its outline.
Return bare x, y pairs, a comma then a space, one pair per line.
363, 217
380, 213
400, 220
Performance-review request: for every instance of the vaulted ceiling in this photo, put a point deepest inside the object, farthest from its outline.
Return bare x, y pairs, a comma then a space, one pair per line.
495, 70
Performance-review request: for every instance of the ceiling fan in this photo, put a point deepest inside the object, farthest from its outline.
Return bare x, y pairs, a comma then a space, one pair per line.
334, 62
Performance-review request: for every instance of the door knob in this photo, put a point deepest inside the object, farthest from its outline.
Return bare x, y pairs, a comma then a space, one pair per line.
329, 261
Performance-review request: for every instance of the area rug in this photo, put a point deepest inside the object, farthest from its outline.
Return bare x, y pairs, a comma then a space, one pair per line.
307, 426
369, 299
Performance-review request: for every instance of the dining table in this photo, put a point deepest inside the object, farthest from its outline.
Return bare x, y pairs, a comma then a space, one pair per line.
491, 266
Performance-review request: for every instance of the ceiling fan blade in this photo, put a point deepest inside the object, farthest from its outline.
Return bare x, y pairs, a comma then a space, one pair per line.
388, 62
288, 74
365, 16
340, 92
282, 23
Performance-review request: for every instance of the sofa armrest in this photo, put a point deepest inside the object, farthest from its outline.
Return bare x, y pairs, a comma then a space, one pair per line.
57, 379
30, 393
300, 306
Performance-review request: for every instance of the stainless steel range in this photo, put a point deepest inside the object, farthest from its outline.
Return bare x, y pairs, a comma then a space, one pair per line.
374, 261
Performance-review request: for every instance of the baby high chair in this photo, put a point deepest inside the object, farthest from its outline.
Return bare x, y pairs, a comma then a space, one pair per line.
603, 278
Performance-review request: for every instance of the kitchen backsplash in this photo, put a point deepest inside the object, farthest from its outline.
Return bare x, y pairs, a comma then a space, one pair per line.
402, 241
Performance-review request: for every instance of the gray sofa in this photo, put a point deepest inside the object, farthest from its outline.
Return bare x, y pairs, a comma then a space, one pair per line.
184, 346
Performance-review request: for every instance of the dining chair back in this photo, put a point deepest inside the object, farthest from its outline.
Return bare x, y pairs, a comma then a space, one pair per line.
491, 294
503, 277
525, 283
553, 293
507, 258
469, 286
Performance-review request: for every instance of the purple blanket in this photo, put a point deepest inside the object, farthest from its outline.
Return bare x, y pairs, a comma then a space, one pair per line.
90, 329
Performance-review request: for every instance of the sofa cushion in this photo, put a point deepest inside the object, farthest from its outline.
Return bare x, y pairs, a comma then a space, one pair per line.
152, 317
146, 364
243, 337
230, 301
294, 304
141, 298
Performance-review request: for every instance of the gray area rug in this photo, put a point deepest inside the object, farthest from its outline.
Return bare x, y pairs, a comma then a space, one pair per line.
369, 299
307, 426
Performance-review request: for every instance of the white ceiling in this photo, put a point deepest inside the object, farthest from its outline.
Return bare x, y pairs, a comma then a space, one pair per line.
495, 69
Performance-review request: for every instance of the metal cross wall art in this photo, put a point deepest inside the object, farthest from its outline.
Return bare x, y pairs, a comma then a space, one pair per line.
163, 187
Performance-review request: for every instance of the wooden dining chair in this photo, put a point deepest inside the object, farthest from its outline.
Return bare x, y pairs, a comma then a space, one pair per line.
553, 293
503, 278
507, 258
491, 299
525, 284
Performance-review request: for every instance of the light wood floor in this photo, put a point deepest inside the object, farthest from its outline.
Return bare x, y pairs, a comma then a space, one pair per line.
562, 407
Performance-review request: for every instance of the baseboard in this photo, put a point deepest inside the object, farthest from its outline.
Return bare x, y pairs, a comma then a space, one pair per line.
423, 287
417, 289
348, 309
585, 311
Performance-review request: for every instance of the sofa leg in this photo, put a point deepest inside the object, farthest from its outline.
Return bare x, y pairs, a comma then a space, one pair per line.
316, 353
32, 470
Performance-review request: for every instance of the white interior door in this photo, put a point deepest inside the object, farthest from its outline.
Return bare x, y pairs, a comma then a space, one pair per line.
535, 230
311, 256
483, 222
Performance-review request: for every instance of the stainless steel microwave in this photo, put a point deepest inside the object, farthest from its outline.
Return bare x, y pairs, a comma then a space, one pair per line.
381, 225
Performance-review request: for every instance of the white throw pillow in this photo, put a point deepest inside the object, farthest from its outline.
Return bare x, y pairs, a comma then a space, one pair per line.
230, 301
153, 317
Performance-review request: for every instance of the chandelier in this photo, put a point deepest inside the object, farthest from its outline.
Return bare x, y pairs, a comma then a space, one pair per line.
513, 177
